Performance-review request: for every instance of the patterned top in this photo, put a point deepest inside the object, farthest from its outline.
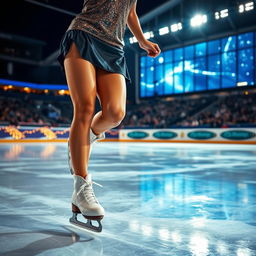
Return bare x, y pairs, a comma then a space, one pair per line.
104, 19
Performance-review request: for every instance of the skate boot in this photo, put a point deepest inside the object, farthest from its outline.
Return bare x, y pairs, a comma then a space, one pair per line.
93, 138
85, 202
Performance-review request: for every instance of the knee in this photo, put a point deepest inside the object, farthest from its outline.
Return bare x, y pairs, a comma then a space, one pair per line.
116, 115
84, 113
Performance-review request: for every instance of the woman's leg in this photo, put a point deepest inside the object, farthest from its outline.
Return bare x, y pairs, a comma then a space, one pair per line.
81, 79
111, 91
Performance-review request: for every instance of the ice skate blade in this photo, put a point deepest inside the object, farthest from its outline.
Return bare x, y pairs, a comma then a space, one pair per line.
88, 225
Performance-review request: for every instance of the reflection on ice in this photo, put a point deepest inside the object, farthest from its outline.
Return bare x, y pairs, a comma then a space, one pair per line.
244, 252
222, 248
180, 195
160, 199
198, 221
134, 225
164, 234
199, 244
176, 237
147, 230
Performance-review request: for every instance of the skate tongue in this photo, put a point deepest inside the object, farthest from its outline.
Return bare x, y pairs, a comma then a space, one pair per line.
88, 178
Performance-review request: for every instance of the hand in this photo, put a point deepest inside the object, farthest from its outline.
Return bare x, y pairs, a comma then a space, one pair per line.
151, 48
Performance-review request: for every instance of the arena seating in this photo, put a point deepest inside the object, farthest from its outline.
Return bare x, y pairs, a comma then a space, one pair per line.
213, 110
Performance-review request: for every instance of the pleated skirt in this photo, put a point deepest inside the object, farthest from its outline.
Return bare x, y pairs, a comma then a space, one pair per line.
103, 55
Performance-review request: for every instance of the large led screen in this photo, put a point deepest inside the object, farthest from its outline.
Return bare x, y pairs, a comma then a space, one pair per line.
218, 64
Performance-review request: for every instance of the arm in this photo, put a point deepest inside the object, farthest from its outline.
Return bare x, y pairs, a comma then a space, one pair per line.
133, 24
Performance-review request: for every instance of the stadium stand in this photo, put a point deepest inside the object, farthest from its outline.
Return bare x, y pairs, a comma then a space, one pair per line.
234, 109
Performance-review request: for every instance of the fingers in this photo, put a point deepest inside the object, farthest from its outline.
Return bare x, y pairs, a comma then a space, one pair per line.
156, 50
153, 50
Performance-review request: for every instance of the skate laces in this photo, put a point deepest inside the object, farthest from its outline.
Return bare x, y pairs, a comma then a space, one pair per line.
97, 184
88, 192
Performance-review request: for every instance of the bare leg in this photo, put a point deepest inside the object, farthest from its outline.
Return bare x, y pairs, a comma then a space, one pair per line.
111, 91
81, 79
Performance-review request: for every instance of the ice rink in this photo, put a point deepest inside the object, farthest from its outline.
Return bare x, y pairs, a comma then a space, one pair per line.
159, 198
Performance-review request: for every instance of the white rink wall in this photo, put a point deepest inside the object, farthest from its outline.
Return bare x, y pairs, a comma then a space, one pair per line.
191, 135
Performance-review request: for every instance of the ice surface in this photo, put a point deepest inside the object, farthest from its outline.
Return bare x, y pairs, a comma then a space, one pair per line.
159, 198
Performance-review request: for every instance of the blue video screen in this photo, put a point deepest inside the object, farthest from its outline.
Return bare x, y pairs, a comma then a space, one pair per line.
213, 65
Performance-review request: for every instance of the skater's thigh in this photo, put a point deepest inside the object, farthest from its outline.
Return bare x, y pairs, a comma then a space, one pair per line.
111, 91
81, 78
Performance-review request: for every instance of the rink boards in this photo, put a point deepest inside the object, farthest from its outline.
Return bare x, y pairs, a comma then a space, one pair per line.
12, 133
210, 135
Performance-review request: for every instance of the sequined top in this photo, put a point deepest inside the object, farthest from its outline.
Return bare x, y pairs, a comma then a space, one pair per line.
104, 19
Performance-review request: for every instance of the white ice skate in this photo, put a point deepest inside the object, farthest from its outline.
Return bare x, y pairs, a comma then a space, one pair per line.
85, 202
93, 138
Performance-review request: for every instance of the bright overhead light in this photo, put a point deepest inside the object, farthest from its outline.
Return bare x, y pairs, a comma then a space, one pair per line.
242, 84
221, 14
163, 31
246, 7
133, 40
147, 36
176, 27
198, 20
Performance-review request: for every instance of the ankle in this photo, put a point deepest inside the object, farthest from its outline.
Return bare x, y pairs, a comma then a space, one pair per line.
97, 134
83, 176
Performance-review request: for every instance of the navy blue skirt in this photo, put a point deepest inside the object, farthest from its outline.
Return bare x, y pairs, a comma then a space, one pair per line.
103, 55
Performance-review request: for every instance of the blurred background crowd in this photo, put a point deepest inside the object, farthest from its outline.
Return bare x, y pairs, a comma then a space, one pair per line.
223, 110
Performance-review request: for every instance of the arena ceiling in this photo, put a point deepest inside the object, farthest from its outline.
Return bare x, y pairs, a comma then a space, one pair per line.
183, 10
46, 20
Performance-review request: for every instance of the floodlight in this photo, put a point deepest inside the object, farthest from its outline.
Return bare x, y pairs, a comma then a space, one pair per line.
242, 84
198, 20
246, 7
221, 14
133, 40
149, 34
163, 31
176, 27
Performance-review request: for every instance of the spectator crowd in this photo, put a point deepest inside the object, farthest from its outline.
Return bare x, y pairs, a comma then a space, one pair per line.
227, 111
17, 111
204, 111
